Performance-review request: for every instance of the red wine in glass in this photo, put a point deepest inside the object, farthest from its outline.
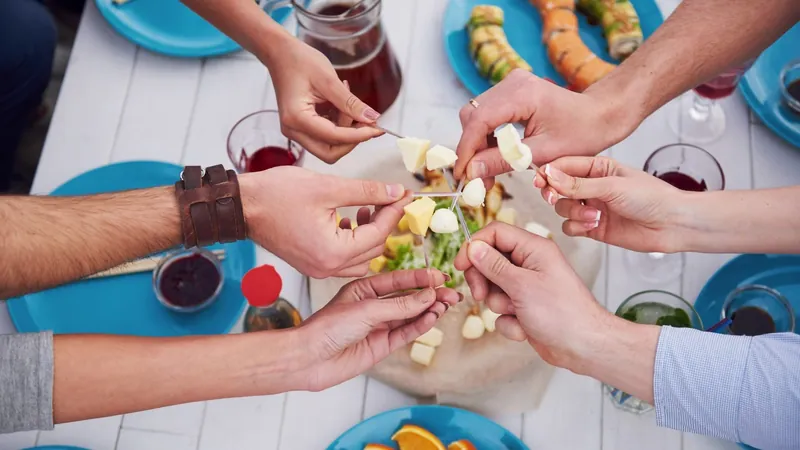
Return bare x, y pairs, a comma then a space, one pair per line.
269, 157
682, 181
714, 92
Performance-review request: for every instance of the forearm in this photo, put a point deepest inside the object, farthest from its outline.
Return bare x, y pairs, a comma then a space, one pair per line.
701, 39
244, 22
741, 221
102, 375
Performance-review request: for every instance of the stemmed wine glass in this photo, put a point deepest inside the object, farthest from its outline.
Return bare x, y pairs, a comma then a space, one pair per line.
704, 120
686, 167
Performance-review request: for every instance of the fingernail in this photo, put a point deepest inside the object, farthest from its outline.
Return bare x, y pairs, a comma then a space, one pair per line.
446, 278
370, 114
460, 297
591, 225
446, 305
591, 214
554, 173
477, 169
477, 250
395, 190
551, 197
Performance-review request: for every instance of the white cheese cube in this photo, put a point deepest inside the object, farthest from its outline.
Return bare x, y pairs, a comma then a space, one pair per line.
489, 318
474, 193
413, 151
440, 157
539, 230
473, 327
444, 221
422, 354
433, 338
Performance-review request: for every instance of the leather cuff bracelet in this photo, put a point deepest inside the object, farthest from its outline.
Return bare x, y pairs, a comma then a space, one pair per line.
210, 206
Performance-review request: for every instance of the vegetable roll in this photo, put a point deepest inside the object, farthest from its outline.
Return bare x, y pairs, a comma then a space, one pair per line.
620, 24
589, 73
573, 60
558, 20
493, 55
548, 5
560, 43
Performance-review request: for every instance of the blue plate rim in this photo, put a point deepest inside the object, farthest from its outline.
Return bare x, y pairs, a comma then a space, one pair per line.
15, 309
763, 112
429, 407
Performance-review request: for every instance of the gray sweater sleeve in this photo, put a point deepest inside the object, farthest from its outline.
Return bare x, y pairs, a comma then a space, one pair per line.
26, 382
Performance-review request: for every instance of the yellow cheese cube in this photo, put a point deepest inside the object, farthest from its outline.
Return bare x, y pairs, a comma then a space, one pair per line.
422, 354
432, 338
402, 226
419, 215
377, 264
395, 242
507, 215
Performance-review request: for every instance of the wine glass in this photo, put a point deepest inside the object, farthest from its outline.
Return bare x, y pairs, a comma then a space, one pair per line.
704, 120
256, 143
686, 167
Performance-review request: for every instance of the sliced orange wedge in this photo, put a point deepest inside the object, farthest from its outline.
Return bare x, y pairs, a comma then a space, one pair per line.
377, 447
462, 444
412, 437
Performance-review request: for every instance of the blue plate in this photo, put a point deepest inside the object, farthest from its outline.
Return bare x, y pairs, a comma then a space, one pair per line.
56, 447
523, 26
447, 423
127, 304
780, 272
169, 27
761, 87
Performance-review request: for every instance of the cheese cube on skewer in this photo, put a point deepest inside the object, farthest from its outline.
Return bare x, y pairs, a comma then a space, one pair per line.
440, 157
444, 221
413, 151
393, 243
513, 151
489, 318
422, 354
474, 193
473, 327
432, 337
419, 215
377, 264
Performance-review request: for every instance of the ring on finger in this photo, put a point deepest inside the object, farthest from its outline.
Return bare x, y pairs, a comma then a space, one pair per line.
474, 103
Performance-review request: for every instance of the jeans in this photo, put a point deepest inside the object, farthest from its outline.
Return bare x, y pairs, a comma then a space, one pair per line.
27, 44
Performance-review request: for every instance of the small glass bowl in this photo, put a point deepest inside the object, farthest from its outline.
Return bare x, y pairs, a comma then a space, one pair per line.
764, 298
660, 297
790, 74
162, 272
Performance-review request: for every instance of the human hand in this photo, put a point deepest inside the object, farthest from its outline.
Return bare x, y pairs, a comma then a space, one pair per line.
303, 78
528, 280
292, 213
558, 122
369, 319
623, 206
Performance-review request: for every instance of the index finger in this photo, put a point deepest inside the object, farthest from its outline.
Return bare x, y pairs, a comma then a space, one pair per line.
477, 126
525, 249
585, 166
323, 129
369, 235
399, 280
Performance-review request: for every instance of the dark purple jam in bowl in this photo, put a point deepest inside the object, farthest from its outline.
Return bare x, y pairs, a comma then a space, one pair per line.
188, 281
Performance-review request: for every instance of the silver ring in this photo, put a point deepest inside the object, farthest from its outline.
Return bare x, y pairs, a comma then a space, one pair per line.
474, 103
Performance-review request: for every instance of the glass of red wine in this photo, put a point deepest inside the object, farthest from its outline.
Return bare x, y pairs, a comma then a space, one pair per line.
686, 167
703, 121
256, 143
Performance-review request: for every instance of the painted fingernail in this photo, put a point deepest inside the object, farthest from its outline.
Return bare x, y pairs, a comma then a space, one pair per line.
446, 278
551, 197
460, 297
370, 114
554, 174
591, 214
435, 312
477, 250
477, 169
446, 305
395, 190
591, 225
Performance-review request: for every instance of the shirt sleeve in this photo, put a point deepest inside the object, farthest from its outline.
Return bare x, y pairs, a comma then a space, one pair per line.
26, 382
737, 388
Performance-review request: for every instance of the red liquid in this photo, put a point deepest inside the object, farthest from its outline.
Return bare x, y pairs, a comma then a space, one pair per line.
269, 157
189, 281
714, 93
751, 321
683, 182
366, 62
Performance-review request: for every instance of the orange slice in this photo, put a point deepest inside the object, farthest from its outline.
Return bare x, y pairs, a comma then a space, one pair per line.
377, 447
463, 444
412, 437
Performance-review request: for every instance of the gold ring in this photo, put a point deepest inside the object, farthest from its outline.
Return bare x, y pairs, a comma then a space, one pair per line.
474, 103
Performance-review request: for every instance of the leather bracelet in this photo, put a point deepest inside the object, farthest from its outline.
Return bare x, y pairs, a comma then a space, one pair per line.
210, 206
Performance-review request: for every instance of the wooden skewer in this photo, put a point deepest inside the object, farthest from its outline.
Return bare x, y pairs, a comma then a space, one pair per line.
141, 265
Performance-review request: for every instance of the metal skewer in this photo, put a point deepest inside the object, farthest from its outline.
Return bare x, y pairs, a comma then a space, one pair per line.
459, 189
398, 136
435, 194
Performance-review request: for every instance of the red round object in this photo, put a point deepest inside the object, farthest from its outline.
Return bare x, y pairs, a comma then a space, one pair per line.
262, 286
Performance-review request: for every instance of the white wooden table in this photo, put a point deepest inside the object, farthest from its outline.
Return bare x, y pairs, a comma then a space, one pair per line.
120, 102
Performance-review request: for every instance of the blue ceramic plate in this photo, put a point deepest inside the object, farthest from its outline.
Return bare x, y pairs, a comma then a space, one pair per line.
523, 26
761, 87
780, 272
56, 447
127, 304
447, 423
169, 27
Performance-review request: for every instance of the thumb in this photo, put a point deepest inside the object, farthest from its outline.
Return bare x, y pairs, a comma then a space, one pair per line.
344, 100
353, 192
495, 267
384, 310
603, 188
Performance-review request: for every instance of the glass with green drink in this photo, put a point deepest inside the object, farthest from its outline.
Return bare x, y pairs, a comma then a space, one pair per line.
652, 307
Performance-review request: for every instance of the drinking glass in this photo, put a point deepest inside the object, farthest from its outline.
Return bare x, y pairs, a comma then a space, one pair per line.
790, 87
689, 168
703, 121
652, 307
256, 143
755, 310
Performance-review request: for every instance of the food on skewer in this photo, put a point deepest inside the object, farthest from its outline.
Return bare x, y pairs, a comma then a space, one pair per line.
513, 151
488, 45
413, 151
538, 229
489, 318
473, 327
393, 243
620, 24
439, 157
419, 215
444, 221
377, 264
474, 193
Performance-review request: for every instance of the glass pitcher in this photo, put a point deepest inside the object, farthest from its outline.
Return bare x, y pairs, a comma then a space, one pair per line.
350, 34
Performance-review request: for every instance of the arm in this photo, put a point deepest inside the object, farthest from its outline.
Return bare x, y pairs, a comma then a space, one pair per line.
742, 221
701, 39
